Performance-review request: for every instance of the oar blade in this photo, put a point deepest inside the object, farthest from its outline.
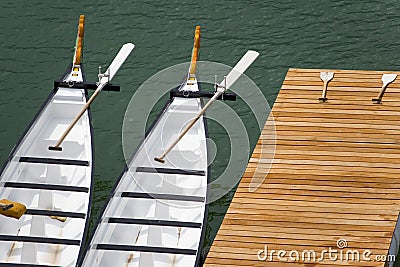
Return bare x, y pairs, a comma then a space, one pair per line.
13, 209
388, 78
326, 76
243, 64
117, 62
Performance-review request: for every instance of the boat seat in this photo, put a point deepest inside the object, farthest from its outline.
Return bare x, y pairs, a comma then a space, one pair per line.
53, 174
68, 100
69, 94
71, 150
192, 213
46, 200
37, 228
9, 226
187, 143
29, 253
73, 145
185, 159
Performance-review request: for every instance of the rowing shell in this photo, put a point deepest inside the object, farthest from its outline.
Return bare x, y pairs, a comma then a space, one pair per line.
55, 187
157, 212
50, 184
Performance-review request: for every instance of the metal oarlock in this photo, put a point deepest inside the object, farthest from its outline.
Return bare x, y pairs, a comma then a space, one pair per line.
101, 75
220, 87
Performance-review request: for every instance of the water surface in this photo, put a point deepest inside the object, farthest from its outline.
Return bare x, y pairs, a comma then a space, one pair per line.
37, 39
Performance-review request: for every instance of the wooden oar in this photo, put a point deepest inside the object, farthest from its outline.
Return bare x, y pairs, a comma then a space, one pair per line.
79, 42
229, 80
11, 209
386, 80
195, 52
325, 77
105, 79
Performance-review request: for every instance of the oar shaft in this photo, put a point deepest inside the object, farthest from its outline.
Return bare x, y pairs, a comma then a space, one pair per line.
66, 132
382, 92
189, 126
229, 80
325, 89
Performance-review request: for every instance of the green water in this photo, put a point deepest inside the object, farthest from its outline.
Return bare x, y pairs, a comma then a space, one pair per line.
37, 39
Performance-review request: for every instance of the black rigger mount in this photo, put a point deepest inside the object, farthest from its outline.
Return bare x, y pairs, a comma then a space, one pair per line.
86, 85
206, 94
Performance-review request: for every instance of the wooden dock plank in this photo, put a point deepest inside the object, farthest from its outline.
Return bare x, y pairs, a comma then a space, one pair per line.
326, 171
332, 170
258, 230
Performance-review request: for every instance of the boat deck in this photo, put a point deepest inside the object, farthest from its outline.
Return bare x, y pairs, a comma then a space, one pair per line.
333, 183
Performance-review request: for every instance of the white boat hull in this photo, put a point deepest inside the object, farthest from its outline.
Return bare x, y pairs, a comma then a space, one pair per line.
156, 214
53, 185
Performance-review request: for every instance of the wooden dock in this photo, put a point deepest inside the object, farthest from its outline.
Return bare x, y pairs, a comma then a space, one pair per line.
334, 181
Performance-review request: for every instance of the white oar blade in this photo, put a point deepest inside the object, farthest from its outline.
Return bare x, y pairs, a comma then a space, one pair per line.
388, 78
117, 62
326, 76
240, 67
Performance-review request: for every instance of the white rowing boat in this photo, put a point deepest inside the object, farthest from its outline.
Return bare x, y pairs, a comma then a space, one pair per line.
157, 212
54, 186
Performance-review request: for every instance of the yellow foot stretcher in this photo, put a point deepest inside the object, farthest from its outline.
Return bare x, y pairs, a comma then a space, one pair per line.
12, 209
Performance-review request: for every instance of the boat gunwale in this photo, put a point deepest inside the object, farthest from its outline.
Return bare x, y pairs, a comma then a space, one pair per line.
91, 187
204, 228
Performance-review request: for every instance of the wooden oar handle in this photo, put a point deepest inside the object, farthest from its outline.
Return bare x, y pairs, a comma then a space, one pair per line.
378, 100
190, 125
85, 107
382, 91
324, 91
182, 134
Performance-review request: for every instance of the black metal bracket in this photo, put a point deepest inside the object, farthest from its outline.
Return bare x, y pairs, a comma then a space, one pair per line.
191, 94
86, 85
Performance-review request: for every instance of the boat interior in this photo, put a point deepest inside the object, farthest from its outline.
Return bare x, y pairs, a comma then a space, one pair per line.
155, 217
53, 185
